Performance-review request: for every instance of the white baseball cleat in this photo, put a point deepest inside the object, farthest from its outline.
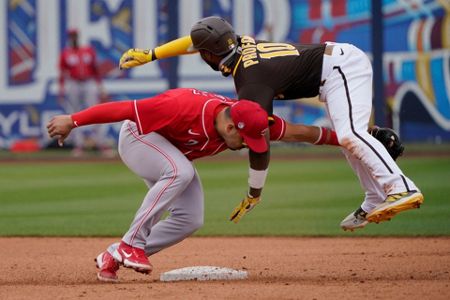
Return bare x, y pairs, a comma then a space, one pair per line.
355, 220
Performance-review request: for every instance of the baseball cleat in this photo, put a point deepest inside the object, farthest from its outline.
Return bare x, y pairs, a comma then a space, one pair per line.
108, 267
395, 204
355, 220
132, 257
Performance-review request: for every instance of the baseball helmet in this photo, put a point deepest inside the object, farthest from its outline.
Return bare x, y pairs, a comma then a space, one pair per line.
215, 35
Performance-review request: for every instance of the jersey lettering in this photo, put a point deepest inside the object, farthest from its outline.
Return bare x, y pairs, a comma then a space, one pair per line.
270, 50
208, 94
249, 57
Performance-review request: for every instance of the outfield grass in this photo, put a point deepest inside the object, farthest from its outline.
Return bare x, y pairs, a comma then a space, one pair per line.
302, 198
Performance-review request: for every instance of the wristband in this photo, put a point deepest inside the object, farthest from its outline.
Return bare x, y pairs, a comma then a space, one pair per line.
257, 178
317, 142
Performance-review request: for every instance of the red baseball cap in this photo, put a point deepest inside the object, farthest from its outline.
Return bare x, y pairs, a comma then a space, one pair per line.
252, 123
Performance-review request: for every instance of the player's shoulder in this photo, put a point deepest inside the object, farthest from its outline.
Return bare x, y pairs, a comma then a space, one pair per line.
184, 94
183, 98
192, 94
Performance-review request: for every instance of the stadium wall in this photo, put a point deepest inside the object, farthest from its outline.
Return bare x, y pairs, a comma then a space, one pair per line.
416, 57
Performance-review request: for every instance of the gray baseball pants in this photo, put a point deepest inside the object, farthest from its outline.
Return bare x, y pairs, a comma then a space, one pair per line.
174, 186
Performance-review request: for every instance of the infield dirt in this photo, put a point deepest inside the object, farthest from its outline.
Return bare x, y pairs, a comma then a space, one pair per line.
279, 268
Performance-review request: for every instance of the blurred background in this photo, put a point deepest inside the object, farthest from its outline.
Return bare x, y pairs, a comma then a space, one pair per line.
407, 40
62, 55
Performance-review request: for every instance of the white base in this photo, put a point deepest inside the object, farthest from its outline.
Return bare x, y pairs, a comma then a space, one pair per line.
203, 273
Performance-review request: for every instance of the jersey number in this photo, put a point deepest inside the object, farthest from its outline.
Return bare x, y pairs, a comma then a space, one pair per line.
270, 50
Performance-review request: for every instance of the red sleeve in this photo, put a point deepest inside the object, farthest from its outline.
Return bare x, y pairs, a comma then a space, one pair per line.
109, 112
277, 128
158, 112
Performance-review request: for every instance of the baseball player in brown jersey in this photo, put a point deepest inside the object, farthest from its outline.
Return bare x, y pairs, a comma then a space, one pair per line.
159, 140
340, 74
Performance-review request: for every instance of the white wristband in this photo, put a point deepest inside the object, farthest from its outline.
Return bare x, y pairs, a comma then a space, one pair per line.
257, 178
320, 135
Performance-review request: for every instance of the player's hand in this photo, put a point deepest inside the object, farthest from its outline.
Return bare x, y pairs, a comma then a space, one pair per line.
60, 127
135, 57
244, 207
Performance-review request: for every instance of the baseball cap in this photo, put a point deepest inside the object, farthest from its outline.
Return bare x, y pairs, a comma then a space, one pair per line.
252, 123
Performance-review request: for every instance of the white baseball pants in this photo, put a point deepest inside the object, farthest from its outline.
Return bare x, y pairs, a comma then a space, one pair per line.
347, 93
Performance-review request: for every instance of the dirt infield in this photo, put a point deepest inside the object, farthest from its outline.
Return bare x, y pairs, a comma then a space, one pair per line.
279, 268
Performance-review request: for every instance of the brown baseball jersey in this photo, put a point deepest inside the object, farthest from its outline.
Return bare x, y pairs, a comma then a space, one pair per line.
268, 70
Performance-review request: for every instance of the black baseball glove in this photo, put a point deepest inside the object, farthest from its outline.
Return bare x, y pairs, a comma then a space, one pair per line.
389, 139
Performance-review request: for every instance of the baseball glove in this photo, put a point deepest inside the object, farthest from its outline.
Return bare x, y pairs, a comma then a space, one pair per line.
243, 208
135, 57
389, 139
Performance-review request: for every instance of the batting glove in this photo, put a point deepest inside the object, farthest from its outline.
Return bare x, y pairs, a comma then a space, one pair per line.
244, 207
135, 57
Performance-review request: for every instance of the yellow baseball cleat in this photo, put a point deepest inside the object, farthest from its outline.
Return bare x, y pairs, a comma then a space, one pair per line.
395, 204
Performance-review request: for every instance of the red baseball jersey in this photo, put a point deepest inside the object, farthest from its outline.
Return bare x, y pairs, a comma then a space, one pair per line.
186, 118
183, 116
79, 63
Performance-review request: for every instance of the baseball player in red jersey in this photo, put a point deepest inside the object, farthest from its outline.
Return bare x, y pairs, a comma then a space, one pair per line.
80, 85
340, 74
160, 138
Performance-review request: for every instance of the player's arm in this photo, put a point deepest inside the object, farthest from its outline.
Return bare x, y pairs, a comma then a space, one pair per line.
136, 57
282, 130
258, 162
60, 126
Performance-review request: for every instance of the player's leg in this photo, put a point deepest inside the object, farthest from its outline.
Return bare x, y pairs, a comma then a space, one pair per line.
348, 93
373, 195
154, 159
185, 217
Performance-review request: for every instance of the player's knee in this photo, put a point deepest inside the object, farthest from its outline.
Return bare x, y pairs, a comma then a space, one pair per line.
185, 174
196, 224
193, 219
190, 223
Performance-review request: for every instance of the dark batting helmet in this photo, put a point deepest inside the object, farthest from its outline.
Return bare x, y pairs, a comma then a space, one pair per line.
215, 35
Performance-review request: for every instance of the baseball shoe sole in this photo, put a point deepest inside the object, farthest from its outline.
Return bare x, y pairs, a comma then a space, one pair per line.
144, 269
395, 204
106, 277
138, 267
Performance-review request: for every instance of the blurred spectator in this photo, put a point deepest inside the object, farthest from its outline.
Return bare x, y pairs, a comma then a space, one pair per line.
80, 86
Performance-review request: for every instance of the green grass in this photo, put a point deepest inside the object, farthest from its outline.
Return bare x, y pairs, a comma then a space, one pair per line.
301, 198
